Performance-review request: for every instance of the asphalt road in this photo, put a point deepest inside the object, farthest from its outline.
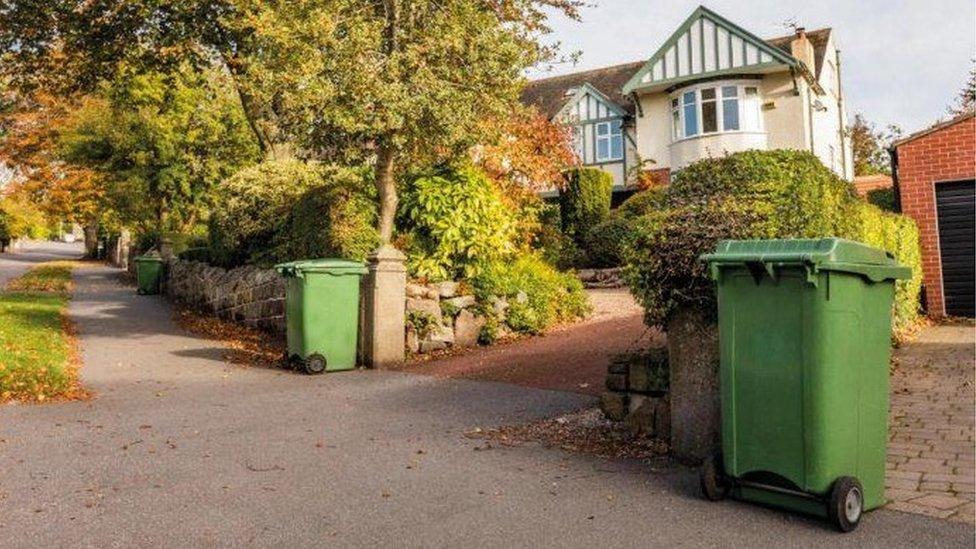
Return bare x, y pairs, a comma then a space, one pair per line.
182, 449
13, 265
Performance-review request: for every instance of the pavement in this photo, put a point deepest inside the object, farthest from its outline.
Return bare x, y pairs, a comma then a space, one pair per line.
932, 453
14, 264
179, 448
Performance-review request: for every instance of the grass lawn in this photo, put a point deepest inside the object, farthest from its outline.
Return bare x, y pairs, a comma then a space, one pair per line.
37, 360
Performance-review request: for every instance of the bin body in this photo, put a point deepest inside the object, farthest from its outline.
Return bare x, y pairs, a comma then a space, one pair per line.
322, 310
149, 274
805, 337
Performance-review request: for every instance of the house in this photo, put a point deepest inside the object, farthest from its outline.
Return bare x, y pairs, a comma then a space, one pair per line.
934, 172
865, 184
710, 89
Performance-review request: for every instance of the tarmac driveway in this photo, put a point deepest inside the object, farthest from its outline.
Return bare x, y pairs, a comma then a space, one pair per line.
181, 449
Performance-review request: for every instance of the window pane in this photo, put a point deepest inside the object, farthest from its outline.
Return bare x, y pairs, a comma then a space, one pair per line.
617, 147
675, 124
689, 98
708, 93
616, 127
730, 91
602, 129
691, 120
602, 149
730, 114
709, 117
674, 103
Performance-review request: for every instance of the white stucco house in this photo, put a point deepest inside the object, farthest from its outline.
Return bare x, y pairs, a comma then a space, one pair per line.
710, 89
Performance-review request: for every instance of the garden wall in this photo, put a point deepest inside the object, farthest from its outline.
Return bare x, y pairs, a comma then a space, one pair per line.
248, 295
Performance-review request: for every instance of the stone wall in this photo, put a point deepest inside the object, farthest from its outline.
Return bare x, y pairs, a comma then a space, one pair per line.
637, 393
248, 295
443, 315
602, 278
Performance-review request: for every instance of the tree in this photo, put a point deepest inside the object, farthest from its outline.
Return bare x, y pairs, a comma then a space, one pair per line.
72, 47
966, 100
870, 146
29, 129
406, 81
163, 141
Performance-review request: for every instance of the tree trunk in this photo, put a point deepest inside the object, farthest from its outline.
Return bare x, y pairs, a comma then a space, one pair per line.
252, 111
386, 189
91, 239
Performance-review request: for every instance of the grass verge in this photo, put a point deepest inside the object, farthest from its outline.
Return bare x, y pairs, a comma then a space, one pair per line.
38, 358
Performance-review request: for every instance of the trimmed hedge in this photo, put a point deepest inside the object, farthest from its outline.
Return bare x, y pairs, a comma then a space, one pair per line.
251, 206
585, 201
755, 195
337, 218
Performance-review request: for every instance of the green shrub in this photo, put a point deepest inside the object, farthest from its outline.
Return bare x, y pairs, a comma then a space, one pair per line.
538, 295
753, 195
643, 202
251, 207
883, 198
336, 218
585, 201
606, 244
456, 222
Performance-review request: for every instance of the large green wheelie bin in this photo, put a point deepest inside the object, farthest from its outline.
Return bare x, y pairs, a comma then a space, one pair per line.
322, 313
805, 337
149, 274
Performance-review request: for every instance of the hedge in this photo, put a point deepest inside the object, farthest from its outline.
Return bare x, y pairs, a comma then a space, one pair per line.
755, 195
585, 200
251, 206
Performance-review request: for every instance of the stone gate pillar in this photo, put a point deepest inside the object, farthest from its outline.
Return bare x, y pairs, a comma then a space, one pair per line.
693, 357
384, 302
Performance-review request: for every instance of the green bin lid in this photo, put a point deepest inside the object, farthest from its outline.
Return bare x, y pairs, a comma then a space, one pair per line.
149, 258
328, 265
829, 254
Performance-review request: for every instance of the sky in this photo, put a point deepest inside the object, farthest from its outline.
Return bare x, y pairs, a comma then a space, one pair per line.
903, 61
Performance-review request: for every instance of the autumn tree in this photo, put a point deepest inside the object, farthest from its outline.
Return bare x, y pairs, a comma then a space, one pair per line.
870, 146
29, 130
400, 82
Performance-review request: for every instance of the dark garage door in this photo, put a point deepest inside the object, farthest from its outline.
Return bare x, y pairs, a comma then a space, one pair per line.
956, 205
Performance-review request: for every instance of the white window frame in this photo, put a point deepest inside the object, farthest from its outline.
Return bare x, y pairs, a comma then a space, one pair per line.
676, 104
610, 135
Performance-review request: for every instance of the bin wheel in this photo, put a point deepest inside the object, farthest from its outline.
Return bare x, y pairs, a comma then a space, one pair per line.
846, 504
714, 484
314, 364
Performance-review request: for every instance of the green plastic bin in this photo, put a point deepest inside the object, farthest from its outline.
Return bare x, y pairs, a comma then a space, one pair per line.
322, 313
149, 274
805, 337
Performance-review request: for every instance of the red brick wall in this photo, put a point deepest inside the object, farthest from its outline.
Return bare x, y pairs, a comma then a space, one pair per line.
948, 154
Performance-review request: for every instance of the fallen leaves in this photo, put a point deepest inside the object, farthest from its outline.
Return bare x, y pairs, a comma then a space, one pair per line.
585, 431
246, 346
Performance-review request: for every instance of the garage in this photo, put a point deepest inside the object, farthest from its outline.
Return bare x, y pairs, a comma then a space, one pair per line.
955, 204
933, 172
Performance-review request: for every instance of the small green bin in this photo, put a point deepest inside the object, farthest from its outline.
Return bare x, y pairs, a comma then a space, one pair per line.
805, 338
149, 274
322, 313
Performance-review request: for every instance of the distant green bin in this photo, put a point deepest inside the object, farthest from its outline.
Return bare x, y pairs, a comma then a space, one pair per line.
805, 337
322, 313
149, 274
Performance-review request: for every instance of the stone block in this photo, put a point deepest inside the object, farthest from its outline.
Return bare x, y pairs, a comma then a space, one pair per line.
430, 307
445, 289
430, 345
467, 328
416, 290
461, 302
412, 341
443, 333
614, 405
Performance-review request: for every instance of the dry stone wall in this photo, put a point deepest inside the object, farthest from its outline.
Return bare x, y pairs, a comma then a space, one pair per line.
248, 295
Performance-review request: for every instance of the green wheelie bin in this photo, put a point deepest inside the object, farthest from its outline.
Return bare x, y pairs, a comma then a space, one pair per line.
322, 313
805, 338
149, 274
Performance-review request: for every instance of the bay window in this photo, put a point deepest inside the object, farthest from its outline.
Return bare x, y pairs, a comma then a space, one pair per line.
715, 109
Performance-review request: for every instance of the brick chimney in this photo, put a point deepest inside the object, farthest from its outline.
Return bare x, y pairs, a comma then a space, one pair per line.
802, 48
